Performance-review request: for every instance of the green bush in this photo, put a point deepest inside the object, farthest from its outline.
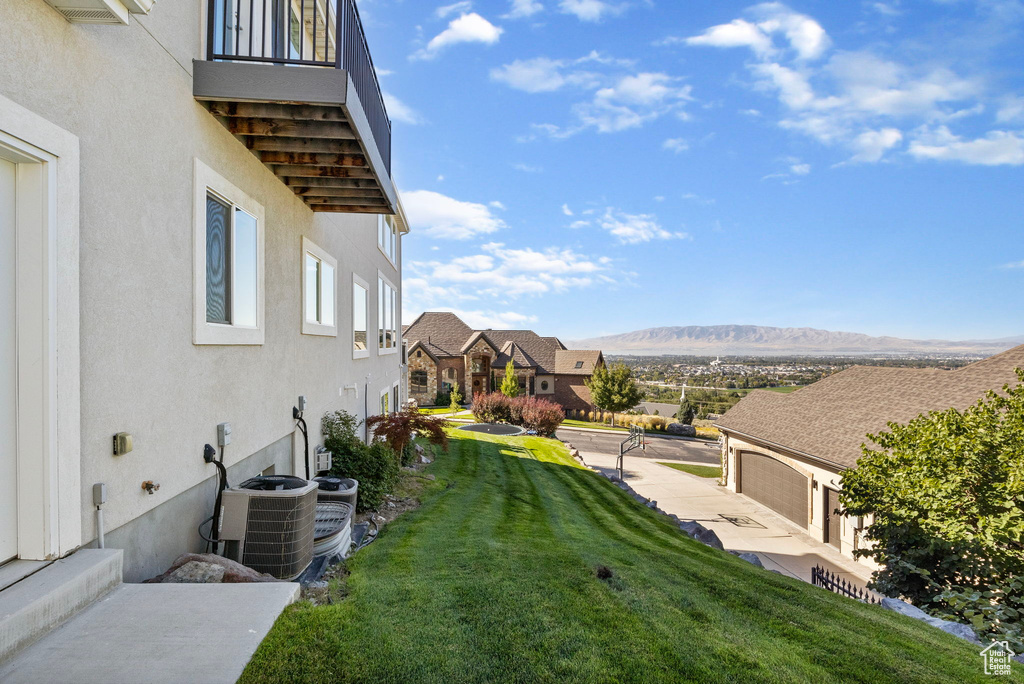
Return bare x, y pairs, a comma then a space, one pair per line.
376, 466
443, 399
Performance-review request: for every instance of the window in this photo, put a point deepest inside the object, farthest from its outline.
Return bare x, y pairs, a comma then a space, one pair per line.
418, 381
478, 366
387, 316
318, 287
385, 402
360, 315
544, 385
450, 373
387, 237
579, 364
228, 277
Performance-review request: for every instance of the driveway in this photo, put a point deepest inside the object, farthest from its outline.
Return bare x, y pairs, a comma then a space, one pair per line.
741, 523
657, 447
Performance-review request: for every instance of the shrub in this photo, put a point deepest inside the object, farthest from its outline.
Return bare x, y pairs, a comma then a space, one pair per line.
492, 408
542, 415
397, 428
374, 466
442, 399
515, 409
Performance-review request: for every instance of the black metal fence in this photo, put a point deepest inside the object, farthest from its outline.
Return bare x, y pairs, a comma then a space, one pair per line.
312, 33
820, 577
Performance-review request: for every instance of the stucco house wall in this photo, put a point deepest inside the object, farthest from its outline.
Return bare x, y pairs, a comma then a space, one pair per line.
126, 93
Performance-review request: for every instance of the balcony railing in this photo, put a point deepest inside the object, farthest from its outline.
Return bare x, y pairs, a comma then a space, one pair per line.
302, 33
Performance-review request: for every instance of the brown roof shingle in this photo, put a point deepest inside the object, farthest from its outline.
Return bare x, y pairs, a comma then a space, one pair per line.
830, 419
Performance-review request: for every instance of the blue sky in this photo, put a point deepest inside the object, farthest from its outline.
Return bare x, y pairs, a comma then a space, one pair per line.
588, 167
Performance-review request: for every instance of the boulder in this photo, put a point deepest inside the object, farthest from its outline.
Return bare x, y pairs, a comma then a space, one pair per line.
957, 629
702, 534
681, 430
197, 572
751, 558
234, 573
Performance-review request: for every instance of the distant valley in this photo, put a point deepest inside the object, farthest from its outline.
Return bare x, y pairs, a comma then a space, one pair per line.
757, 339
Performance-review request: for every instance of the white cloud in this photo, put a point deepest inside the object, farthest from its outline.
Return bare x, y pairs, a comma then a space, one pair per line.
526, 168
737, 33
995, 149
457, 7
501, 272
799, 169
676, 145
468, 28
871, 145
805, 36
538, 75
1012, 109
524, 8
633, 229
498, 205
566, 210
440, 216
399, 111
590, 10
1013, 265
631, 102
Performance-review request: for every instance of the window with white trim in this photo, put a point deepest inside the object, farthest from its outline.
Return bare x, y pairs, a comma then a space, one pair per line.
387, 237
385, 402
319, 309
360, 318
229, 262
387, 316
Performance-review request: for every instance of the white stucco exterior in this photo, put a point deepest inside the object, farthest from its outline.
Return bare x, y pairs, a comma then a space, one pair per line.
116, 105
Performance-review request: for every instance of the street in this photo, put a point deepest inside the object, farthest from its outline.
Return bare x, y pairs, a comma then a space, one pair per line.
657, 447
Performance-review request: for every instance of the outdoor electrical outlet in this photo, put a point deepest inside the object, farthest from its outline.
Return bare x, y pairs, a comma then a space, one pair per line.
99, 494
224, 434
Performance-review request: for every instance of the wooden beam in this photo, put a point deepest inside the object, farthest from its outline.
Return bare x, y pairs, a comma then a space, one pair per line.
312, 159
361, 183
335, 209
291, 129
303, 145
346, 201
322, 172
289, 112
336, 192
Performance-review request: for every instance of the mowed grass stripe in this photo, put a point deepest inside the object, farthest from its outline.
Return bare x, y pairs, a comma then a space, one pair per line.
492, 579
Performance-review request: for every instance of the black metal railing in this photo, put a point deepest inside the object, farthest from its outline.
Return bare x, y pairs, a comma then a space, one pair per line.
820, 577
312, 33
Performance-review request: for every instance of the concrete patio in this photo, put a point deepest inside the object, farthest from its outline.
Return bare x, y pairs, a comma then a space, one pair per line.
741, 523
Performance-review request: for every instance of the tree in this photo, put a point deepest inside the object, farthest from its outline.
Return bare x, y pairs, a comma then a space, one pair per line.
614, 389
397, 428
456, 395
687, 413
510, 383
947, 494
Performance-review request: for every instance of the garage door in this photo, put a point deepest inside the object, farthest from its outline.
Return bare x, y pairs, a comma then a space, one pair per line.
774, 484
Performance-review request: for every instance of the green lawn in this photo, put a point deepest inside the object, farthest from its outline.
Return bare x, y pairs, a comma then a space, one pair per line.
494, 579
444, 410
698, 470
596, 426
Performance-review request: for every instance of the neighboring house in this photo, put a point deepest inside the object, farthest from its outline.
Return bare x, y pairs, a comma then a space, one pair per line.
206, 229
653, 408
443, 350
789, 451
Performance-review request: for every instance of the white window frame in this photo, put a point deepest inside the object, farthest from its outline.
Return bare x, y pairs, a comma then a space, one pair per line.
385, 395
381, 350
309, 327
370, 329
387, 238
208, 181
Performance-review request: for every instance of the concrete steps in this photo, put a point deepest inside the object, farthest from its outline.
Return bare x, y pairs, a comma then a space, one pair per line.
32, 606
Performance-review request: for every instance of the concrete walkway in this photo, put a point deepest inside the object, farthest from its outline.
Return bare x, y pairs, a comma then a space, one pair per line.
741, 524
156, 634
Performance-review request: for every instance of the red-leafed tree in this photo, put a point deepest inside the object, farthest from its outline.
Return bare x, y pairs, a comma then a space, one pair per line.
397, 428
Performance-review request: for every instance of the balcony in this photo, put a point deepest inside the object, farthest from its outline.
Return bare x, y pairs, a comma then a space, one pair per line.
294, 81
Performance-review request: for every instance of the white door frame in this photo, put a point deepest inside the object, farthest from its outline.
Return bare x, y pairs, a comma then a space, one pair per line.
48, 395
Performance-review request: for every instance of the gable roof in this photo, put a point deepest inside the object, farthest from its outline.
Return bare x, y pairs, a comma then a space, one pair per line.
567, 360
443, 334
662, 409
831, 418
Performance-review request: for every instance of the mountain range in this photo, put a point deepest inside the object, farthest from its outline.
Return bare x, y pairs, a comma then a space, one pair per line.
758, 339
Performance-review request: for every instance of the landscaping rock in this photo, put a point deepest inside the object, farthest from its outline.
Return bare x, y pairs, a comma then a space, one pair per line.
751, 558
196, 572
702, 534
957, 629
681, 430
234, 573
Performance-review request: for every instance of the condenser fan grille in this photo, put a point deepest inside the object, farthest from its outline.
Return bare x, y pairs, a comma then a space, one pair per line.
279, 534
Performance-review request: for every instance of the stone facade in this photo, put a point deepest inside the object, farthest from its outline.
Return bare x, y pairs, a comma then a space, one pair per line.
421, 361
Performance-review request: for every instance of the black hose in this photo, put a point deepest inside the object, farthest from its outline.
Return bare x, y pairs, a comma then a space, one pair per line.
305, 440
204, 537
223, 476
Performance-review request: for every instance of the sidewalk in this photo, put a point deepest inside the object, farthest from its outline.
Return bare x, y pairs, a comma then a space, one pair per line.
741, 524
